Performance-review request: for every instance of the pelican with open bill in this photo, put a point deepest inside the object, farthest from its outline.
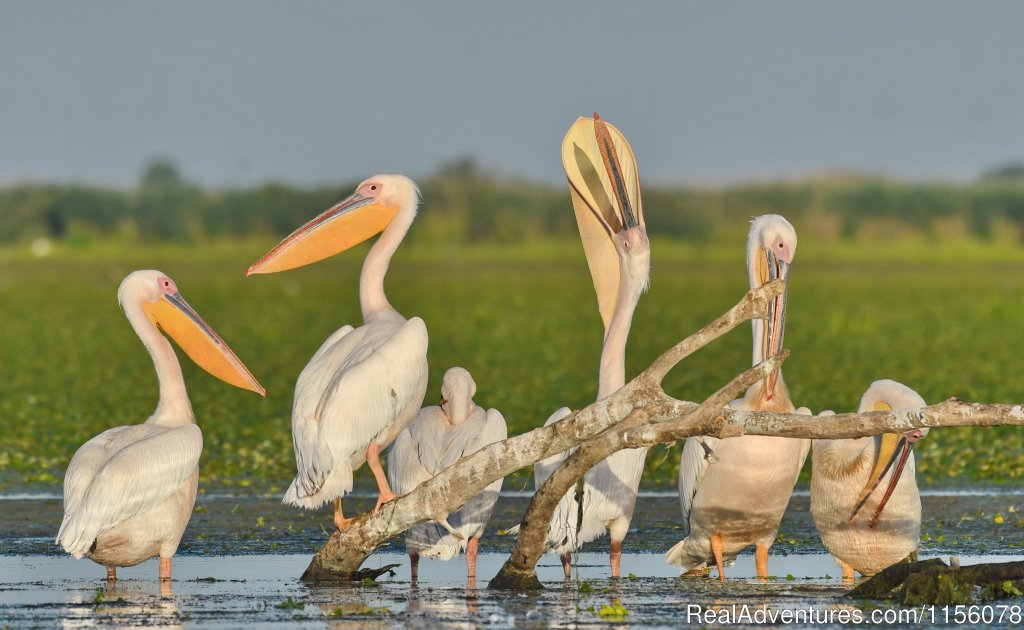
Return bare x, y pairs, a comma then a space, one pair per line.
604, 186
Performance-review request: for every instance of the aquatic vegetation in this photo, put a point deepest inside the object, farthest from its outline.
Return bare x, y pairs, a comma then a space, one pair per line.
613, 612
290, 604
72, 367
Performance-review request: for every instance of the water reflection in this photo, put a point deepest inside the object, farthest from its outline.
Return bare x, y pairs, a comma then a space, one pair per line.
443, 605
122, 604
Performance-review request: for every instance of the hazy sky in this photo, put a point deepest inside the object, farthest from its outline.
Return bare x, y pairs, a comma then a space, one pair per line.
314, 92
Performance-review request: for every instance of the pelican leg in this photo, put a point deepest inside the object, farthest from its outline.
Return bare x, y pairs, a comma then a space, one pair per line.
716, 549
615, 557
111, 574
165, 569
566, 559
383, 489
340, 521
472, 546
847, 571
414, 565
761, 560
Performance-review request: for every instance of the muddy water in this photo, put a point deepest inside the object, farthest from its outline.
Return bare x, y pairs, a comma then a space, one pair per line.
240, 557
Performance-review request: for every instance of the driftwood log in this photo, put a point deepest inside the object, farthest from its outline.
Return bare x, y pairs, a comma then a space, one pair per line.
639, 414
934, 582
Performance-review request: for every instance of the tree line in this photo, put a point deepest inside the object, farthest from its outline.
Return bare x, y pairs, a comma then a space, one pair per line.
462, 203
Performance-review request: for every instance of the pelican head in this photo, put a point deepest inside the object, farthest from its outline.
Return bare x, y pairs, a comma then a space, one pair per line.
771, 247
158, 298
886, 395
457, 391
605, 188
368, 211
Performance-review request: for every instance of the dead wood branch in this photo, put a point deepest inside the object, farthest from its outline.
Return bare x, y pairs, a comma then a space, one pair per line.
639, 414
344, 552
932, 582
519, 571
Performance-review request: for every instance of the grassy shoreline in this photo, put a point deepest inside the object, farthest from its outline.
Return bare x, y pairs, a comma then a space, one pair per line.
942, 319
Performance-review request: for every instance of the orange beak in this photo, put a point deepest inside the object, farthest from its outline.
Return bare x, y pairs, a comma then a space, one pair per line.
193, 335
771, 267
344, 225
894, 449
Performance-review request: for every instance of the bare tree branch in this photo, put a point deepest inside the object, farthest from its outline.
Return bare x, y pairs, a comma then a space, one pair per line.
519, 572
639, 414
344, 552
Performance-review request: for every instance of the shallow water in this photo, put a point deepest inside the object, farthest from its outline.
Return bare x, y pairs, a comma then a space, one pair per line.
256, 590
241, 557
959, 521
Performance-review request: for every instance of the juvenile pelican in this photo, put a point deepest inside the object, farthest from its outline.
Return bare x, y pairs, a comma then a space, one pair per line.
436, 439
846, 508
734, 491
364, 385
129, 491
605, 188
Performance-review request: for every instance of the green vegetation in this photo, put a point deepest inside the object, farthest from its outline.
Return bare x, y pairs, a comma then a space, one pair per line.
523, 320
891, 281
290, 604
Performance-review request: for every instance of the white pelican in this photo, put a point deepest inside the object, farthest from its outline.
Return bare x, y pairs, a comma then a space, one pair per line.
734, 491
435, 440
605, 188
844, 477
364, 385
129, 491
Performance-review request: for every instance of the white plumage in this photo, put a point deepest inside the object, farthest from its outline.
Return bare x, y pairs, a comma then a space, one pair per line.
129, 491
842, 468
122, 473
359, 388
605, 189
365, 384
436, 439
733, 492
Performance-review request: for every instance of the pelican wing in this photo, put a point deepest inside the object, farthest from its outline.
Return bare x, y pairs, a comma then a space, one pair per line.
330, 343
473, 517
138, 468
692, 466
562, 534
351, 394
412, 460
312, 457
415, 454
88, 460
596, 200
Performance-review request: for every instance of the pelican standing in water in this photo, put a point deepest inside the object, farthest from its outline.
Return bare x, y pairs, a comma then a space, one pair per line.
364, 385
844, 479
436, 439
734, 491
605, 188
129, 491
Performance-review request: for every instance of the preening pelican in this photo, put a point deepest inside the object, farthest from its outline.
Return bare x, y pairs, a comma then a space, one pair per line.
734, 491
129, 491
436, 439
845, 476
605, 188
364, 385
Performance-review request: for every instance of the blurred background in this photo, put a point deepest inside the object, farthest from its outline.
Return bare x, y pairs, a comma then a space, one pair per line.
192, 136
